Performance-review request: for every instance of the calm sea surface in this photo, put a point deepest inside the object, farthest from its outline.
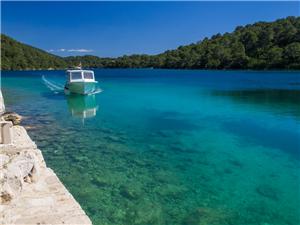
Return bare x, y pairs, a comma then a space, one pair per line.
170, 146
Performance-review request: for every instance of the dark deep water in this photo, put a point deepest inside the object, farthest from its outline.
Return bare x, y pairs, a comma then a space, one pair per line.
170, 146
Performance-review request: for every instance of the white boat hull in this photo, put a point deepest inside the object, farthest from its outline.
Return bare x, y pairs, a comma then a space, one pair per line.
80, 87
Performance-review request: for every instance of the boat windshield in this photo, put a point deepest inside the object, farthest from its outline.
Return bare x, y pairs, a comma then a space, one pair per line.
88, 75
76, 76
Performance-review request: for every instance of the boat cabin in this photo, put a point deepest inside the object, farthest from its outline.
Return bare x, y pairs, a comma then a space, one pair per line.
80, 76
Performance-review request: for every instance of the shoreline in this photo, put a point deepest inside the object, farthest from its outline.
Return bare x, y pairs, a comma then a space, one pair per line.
149, 68
31, 193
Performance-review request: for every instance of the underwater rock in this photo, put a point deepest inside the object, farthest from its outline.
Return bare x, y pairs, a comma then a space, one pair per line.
163, 176
106, 130
177, 149
163, 133
42, 143
13, 117
82, 158
158, 152
144, 212
152, 147
130, 192
100, 181
268, 192
236, 163
228, 171
181, 149
58, 152
207, 216
28, 127
139, 162
172, 191
116, 215
182, 167
92, 210
113, 138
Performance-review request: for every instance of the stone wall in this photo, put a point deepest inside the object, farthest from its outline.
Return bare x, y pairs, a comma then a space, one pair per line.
30, 192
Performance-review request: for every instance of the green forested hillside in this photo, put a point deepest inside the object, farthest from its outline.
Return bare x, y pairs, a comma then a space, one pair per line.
258, 46
18, 56
263, 45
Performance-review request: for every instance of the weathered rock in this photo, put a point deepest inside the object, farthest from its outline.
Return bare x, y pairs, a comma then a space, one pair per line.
3, 160
18, 169
11, 187
5, 197
21, 165
13, 117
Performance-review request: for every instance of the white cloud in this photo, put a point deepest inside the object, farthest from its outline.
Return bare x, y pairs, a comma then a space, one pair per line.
82, 50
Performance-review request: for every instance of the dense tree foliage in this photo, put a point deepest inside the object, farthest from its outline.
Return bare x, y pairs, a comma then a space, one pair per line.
263, 45
18, 56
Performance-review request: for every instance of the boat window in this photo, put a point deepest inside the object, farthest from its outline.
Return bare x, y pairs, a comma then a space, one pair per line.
76, 76
88, 75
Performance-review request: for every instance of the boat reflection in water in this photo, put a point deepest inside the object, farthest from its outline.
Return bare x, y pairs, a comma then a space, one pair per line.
82, 106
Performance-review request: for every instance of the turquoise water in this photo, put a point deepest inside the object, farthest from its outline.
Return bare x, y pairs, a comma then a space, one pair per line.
170, 146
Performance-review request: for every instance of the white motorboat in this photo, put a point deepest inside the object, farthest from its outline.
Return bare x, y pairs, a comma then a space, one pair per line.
80, 82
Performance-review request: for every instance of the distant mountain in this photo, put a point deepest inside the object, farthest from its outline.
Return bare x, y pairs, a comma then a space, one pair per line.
263, 45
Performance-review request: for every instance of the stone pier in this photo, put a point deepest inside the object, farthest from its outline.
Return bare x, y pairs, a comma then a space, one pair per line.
30, 192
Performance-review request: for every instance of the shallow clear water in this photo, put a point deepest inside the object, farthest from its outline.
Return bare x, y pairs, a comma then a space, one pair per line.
170, 146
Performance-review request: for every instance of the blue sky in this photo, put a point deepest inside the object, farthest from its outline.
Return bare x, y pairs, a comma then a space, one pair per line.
110, 29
